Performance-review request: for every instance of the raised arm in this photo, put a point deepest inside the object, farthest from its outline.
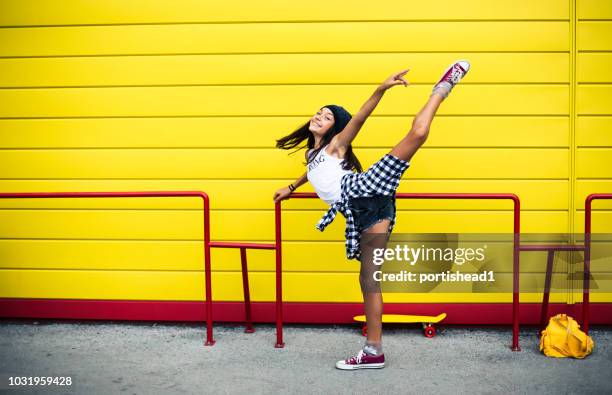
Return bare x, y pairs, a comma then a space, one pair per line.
342, 140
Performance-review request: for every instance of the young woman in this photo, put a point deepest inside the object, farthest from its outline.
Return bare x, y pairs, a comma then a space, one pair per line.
365, 199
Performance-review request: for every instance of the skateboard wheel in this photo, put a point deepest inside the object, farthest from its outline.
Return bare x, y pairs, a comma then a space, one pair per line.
430, 331
364, 330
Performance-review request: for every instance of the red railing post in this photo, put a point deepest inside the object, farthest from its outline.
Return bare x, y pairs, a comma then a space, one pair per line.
546, 297
587, 263
587, 256
516, 272
245, 289
207, 272
279, 275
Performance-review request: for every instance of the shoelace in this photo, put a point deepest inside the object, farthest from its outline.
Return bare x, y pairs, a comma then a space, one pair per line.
456, 74
357, 359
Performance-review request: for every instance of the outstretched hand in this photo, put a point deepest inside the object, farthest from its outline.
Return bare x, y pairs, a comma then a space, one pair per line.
395, 79
281, 194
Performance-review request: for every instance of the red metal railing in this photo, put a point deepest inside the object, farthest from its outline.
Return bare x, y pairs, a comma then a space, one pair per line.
587, 255
277, 246
586, 247
207, 245
551, 249
516, 241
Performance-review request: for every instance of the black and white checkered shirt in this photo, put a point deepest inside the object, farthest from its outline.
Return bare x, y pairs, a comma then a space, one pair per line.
382, 178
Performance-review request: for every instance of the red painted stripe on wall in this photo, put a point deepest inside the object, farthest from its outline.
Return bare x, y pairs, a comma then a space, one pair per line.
314, 313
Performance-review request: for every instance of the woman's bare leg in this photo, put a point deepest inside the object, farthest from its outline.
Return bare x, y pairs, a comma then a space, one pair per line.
421, 123
375, 237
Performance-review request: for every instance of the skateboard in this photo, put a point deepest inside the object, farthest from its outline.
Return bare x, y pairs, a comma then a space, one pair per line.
426, 320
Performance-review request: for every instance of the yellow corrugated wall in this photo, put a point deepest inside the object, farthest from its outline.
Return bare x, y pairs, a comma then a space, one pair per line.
191, 95
592, 117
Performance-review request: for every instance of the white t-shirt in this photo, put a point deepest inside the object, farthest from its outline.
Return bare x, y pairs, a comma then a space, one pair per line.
324, 173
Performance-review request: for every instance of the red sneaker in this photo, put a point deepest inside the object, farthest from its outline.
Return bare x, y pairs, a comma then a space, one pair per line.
362, 361
455, 72
452, 75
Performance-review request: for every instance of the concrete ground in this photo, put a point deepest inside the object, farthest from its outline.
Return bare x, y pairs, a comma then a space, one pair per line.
149, 358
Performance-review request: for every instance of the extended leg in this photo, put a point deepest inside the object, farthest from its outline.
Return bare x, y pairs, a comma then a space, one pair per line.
421, 123
406, 148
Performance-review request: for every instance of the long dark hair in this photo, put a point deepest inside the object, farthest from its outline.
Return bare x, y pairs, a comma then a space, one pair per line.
341, 119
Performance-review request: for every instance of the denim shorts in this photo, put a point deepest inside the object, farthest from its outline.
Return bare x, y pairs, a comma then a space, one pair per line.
368, 211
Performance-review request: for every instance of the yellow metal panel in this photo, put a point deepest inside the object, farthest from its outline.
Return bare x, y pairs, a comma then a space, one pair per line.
46, 12
298, 287
229, 194
271, 163
594, 9
248, 225
594, 36
203, 132
480, 221
603, 297
285, 37
594, 162
601, 220
142, 255
277, 100
594, 99
594, 67
594, 131
107, 255
318, 68
586, 187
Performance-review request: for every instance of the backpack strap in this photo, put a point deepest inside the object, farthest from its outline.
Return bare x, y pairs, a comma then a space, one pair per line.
582, 342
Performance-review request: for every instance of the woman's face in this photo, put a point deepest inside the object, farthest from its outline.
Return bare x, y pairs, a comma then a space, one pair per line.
321, 122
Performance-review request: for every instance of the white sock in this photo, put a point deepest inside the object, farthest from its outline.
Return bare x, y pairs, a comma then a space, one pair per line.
373, 348
443, 88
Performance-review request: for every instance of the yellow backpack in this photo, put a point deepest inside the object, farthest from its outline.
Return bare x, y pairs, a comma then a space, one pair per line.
563, 338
